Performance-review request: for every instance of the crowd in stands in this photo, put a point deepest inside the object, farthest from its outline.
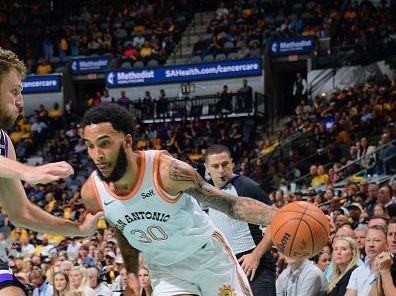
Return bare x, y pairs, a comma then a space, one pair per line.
365, 24
241, 29
144, 33
127, 31
338, 129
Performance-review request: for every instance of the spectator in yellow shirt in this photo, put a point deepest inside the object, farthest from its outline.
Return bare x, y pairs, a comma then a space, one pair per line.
55, 112
320, 178
146, 51
44, 67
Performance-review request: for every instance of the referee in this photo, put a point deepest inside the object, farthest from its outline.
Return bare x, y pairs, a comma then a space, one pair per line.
246, 240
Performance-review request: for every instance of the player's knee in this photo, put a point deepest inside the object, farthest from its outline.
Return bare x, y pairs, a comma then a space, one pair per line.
11, 291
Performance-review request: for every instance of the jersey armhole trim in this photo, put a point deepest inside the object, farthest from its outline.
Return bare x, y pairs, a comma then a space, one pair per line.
157, 183
95, 191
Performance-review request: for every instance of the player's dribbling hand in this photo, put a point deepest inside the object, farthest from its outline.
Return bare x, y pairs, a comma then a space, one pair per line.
90, 224
249, 264
47, 173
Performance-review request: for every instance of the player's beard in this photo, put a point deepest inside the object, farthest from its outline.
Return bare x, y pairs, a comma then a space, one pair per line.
7, 118
7, 122
119, 170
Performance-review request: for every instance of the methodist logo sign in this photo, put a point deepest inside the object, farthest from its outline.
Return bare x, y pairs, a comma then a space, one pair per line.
89, 65
42, 83
292, 46
183, 73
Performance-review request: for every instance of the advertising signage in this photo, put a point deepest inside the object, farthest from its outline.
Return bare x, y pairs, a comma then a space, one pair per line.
89, 65
42, 83
290, 46
183, 73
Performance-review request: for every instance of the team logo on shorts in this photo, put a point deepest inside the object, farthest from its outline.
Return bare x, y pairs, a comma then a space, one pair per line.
227, 290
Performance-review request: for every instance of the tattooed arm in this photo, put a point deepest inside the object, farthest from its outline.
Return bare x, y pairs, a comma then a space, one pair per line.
131, 261
129, 253
187, 179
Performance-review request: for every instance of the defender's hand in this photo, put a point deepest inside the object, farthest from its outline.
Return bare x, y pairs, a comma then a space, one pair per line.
47, 173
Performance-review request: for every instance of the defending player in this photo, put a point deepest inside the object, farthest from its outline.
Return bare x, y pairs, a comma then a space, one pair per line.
12, 195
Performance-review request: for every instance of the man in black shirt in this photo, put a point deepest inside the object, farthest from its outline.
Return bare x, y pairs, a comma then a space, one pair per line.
247, 242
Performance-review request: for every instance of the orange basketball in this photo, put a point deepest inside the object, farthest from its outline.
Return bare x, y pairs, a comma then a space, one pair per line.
300, 229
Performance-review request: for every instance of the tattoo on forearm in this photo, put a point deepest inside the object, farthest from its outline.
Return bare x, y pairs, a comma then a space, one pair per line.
240, 208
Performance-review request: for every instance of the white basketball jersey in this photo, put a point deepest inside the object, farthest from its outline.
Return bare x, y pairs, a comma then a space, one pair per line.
165, 228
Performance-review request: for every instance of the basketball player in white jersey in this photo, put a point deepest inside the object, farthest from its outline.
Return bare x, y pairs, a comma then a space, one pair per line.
12, 195
148, 197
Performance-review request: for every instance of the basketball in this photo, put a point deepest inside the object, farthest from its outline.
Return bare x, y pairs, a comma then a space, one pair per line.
300, 229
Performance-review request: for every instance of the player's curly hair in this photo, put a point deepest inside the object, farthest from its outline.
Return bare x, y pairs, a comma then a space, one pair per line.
8, 61
118, 116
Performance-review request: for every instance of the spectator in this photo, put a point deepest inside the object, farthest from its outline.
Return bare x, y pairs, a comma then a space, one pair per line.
78, 280
123, 100
299, 90
387, 151
66, 266
372, 193
366, 153
384, 285
360, 234
391, 238
138, 41
145, 282
221, 11
120, 282
131, 53
246, 96
342, 232
162, 105
225, 100
301, 277
356, 215
345, 257
320, 178
95, 282
322, 260
200, 47
146, 51
60, 284
44, 67
380, 211
385, 196
41, 286
363, 278
106, 98
243, 52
